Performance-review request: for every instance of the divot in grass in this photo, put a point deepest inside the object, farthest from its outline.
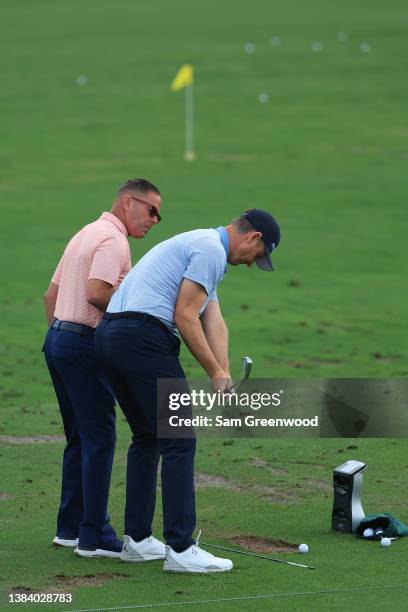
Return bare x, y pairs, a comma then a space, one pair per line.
264, 545
98, 579
61, 582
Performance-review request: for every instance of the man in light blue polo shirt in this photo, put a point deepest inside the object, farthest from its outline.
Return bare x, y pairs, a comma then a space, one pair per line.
171, 291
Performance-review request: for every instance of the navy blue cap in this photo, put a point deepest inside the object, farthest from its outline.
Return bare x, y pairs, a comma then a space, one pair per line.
263, 222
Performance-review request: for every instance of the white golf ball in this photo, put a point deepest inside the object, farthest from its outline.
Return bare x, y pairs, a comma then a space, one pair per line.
368, 533
275, 41
82, 79
385, 542
365, 47
317, 47
249, 48
263, 98
303, 548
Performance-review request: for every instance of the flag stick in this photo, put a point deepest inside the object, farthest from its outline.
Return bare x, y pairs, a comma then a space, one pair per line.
189, 153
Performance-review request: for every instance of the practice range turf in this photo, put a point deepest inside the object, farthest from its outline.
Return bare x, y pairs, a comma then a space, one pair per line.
326, 154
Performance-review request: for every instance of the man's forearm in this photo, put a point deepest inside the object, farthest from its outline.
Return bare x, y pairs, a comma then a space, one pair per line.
101, 302
99, 293
50, 300
49, 307
217, 338
193, 335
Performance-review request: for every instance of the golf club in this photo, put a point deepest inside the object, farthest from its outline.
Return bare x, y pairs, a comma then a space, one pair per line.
242, 552
246, 371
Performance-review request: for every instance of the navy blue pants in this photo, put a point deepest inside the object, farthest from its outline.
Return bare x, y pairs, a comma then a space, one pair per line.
87, 406
135, 353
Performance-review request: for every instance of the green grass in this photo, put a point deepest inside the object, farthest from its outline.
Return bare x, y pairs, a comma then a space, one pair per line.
283, 493
327, 155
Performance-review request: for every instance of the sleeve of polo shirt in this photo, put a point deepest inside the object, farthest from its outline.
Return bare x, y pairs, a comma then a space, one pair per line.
108, 261
213, 297
56, 278
206, 264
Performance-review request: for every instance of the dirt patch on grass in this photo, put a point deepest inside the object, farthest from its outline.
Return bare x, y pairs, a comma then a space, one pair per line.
277, 496
5, 496
317, 484
61, 582
88, 579
40, 439
315, 465
203, 481
263, 545
272, 494
261, 463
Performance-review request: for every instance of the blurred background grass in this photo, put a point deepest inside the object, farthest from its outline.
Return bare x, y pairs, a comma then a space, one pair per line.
326, 155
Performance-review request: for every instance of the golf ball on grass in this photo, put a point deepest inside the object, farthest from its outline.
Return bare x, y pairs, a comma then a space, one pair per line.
303, 548
82, 80
365, 47
317, 47
385, 542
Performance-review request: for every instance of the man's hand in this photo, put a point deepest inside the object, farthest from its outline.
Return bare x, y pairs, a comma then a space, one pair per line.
221, 381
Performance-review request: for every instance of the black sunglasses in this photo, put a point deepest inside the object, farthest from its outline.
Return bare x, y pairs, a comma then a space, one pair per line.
152, 210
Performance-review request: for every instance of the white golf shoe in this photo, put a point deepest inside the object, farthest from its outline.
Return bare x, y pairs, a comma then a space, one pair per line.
149, 549
195, 560
65, 542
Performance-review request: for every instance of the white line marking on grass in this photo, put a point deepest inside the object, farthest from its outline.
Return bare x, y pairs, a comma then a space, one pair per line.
242, 598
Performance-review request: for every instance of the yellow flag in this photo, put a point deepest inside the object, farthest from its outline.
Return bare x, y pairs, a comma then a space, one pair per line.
183, 78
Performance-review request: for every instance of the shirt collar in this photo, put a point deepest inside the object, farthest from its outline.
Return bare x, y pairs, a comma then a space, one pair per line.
108, 216
224, 238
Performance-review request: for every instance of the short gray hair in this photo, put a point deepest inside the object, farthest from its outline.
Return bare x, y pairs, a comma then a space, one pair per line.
139, 184
242, 225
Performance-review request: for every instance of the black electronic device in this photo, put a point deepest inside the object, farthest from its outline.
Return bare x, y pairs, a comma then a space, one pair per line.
347, 488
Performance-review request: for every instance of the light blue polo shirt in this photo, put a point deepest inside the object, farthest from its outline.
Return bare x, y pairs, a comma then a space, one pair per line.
153, 285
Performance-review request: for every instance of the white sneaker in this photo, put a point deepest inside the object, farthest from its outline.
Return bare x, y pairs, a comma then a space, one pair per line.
195, 560
149, 549
63, 542
96, 552
111, 549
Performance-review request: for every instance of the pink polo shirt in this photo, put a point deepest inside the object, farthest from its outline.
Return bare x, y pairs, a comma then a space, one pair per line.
99, 250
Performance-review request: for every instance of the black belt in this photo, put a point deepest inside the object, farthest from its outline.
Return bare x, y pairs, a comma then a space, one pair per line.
77, 328
141, 316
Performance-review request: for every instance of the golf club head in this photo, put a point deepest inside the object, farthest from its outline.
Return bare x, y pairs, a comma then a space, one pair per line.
246, 370
246, 367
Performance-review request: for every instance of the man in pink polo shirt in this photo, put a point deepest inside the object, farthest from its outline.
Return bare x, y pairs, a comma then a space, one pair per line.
93, 265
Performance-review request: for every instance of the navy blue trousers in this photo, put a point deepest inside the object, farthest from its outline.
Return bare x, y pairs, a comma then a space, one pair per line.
135, 354
87, 406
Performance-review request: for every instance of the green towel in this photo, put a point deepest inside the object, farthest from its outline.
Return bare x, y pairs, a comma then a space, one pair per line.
393, 528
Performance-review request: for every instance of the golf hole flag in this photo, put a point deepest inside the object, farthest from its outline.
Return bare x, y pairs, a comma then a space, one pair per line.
184, 79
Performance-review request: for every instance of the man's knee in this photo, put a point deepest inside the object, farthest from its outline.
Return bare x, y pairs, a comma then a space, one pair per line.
177, 446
